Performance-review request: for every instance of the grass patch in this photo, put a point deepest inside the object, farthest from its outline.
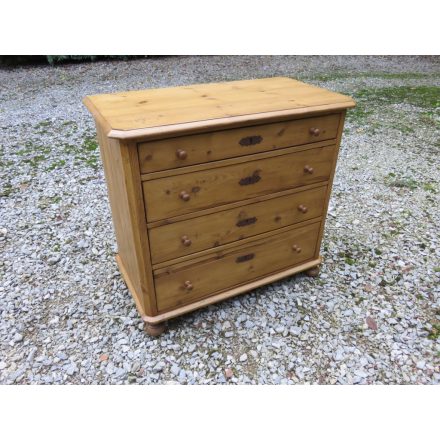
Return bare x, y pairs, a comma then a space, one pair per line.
6, 163
430, 118
57, 164
87, 153
370, 101
396, 181
430, 187
43, 124
434, 333
33, 154
45, 202
34, 161
348, 257
83, 152
7, 190
422, 96
381, 75
359, 114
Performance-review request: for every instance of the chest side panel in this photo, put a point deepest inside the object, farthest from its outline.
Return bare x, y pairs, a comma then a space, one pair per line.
126, 203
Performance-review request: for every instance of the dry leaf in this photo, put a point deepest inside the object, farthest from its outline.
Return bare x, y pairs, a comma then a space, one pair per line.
103, 357
229, 373
371, 323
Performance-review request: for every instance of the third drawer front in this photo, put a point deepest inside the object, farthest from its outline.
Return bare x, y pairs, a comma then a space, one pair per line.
182, 194
209, 231
220, 271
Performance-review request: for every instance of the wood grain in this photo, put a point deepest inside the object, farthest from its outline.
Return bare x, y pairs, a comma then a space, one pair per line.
235, 266
330, 185
216, 189
237, 204
233, 291
205, 189
121, 169
199, 257
208, 147
148, 109
233, 160
209, 231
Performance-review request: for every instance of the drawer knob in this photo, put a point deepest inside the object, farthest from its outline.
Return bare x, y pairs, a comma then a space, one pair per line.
185, 240
181, 154
315, 131
296, 248
188, 285
308, 169
302, 208
184, 196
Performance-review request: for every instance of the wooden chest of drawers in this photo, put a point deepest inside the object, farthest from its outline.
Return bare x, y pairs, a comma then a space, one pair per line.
216, 189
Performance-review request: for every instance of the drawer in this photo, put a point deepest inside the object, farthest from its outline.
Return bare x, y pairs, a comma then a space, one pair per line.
223, 270
200, 233
176, 195
207, 147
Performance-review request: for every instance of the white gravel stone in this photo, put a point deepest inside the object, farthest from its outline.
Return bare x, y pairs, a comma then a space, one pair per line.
295, 330
54, 259
421, 364
18, 337
175, 370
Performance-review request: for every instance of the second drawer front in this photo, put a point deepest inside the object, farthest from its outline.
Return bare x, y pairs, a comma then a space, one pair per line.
176, 195
235, 266
200, 233
207, 147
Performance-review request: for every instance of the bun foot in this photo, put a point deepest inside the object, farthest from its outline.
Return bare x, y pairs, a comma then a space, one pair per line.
155, 329
313, 272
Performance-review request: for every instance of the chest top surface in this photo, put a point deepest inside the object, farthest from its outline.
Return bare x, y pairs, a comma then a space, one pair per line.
144, 112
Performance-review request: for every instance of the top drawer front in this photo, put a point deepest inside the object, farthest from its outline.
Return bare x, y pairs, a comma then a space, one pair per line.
176, 195
208, 147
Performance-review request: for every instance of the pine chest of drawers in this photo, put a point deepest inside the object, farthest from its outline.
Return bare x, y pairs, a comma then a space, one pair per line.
216, 189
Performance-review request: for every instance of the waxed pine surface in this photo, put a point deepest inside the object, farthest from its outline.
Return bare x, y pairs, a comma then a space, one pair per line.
372, 316
203, 102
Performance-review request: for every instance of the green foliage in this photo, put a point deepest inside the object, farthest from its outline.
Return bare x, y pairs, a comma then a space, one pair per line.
53, 59
16, 60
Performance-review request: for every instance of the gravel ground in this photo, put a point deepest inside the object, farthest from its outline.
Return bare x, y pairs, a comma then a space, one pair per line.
372, 317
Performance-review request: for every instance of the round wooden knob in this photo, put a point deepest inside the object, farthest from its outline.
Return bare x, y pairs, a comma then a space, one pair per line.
181, 154
184, 196
185, 240
308, 169
302, 208
315, 131
188, 285
296, 248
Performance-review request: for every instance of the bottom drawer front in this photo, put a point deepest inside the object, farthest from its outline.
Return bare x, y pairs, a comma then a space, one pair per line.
222, 270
